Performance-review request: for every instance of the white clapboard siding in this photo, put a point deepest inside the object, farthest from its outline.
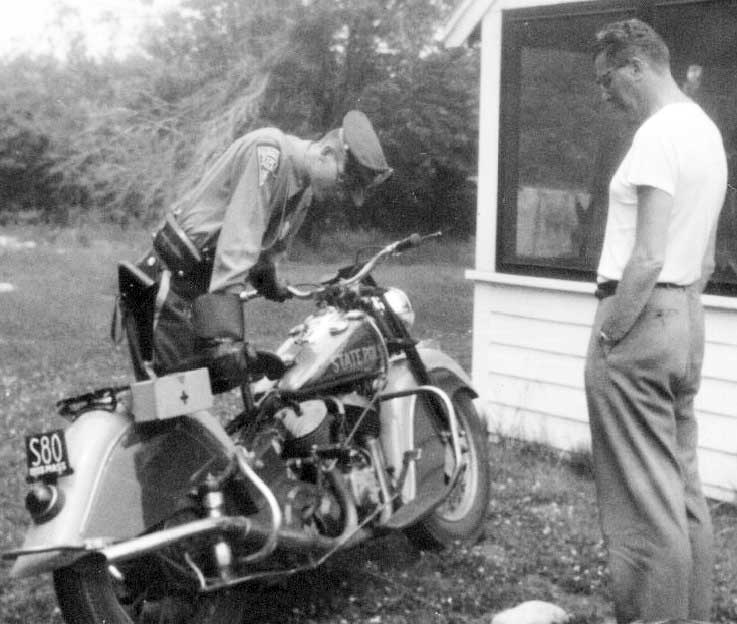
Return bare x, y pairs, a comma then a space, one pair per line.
524, 424
720, 359
529, 353
719, 474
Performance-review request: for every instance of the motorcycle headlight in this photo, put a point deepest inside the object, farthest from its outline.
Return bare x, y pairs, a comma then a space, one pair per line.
400, 304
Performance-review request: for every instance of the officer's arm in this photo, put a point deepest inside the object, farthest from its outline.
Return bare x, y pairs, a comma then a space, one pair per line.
245, 221
645, 264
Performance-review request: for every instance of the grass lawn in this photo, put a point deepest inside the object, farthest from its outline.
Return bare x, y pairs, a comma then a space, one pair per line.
542, 539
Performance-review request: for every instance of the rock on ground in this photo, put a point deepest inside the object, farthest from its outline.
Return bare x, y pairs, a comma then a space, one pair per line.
532, 612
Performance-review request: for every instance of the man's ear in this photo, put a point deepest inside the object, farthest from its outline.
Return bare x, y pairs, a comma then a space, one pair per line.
329, 152
335, 154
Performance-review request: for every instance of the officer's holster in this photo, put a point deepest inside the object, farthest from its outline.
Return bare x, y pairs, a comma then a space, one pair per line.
191, 268
175, 249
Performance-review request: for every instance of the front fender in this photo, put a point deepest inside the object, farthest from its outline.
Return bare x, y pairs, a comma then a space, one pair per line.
404, 423
127, 477
444, 370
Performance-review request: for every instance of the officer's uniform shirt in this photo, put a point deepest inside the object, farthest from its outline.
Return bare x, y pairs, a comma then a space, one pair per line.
253, 199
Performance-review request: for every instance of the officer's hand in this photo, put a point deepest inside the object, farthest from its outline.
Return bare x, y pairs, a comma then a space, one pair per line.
278, 292
263, 277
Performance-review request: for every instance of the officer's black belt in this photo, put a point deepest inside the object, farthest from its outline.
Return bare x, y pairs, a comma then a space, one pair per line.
608, 288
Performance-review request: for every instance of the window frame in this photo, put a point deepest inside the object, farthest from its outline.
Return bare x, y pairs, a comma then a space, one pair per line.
507, 261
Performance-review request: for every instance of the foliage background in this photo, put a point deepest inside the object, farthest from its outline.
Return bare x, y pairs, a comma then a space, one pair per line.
119, 139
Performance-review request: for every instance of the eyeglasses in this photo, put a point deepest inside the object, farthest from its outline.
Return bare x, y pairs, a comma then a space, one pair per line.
605, 80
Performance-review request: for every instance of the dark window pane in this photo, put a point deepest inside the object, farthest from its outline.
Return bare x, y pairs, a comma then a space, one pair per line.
569, 147
560, 146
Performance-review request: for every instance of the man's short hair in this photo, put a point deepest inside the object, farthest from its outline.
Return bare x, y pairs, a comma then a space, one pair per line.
621, 41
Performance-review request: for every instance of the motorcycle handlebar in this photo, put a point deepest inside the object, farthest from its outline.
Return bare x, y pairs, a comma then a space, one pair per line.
414, 240
297, 293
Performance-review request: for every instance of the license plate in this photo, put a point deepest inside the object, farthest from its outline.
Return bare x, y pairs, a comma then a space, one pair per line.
46, 453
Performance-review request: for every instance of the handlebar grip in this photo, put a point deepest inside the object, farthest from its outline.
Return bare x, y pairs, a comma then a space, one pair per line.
411, 241
298, 293
247, 295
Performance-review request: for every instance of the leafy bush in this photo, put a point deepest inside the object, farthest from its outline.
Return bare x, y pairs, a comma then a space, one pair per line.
26, 177
123, 139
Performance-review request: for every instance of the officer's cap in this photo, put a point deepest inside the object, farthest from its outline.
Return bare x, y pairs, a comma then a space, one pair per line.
366, 166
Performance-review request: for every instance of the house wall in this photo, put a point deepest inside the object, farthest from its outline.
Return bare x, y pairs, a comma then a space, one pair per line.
529, 348
531, 334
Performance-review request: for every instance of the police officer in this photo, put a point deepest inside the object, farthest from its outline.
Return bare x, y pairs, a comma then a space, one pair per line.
236, 224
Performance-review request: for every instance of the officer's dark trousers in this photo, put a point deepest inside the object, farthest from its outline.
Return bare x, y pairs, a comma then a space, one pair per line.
173, 335
653, 514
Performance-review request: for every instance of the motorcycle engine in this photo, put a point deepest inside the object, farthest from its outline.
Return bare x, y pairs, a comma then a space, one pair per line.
306, 425
319, 423
304, 500
345, 422
302, 441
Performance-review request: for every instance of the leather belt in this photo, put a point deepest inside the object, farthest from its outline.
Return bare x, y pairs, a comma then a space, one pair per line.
608, 288
175, 248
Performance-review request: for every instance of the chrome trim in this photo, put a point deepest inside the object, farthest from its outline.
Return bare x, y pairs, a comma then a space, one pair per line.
272, 538
377, 457
353, 533
40, 550
452, 421
137, 546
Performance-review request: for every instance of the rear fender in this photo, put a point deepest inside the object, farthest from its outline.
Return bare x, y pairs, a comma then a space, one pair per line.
127, 478
404, 424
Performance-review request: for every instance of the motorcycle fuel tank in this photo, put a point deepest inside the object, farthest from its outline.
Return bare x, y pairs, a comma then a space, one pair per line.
330, 348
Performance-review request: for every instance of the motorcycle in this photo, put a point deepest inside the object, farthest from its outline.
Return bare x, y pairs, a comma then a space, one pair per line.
150, 508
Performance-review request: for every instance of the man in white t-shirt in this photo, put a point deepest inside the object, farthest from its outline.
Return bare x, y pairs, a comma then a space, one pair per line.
643, 365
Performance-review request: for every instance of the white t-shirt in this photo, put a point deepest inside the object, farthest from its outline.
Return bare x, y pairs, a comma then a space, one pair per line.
679, 150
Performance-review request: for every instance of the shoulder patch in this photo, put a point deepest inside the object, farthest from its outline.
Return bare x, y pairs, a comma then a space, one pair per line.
268, 162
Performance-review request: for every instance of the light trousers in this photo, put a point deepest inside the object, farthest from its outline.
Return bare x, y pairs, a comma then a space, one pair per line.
652, 511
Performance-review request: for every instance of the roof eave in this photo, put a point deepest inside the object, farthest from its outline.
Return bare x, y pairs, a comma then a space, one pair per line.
463, 22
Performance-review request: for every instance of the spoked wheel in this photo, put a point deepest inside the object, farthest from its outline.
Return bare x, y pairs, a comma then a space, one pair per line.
90, 592
161, 588
461, 515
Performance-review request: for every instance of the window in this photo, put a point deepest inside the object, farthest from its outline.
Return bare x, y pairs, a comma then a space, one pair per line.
560, 144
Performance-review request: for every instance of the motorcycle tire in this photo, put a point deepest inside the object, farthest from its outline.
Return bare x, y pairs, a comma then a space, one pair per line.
460, 518
86, 594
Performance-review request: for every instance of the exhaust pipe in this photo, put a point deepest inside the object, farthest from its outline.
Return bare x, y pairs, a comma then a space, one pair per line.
273, 534
247, 528
133, 548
